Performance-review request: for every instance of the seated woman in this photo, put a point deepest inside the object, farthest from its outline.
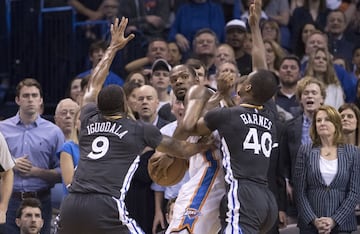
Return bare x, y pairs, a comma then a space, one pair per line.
326, 177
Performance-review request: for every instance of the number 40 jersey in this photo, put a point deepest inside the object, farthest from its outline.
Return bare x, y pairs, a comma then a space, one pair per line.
248, 134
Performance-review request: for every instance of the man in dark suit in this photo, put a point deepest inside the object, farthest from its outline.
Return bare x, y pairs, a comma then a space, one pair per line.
311, 94
148, 103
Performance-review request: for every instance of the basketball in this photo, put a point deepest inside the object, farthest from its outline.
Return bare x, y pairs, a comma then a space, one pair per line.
174, 173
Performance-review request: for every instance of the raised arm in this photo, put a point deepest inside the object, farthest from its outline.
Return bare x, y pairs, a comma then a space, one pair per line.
258, 48
195, 100
98, 76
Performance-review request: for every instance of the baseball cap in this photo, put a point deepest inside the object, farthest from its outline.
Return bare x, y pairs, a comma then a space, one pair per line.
160, 64
235, 23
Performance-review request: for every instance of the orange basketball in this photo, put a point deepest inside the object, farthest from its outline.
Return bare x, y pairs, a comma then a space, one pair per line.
175, 172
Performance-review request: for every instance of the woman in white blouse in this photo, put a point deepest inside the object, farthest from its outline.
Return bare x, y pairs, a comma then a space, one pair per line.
327, 177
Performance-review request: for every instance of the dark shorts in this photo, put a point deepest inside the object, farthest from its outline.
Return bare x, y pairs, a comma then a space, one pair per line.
90, 214
257, 211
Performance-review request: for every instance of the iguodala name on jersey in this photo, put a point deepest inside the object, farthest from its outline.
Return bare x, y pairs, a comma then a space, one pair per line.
109, 127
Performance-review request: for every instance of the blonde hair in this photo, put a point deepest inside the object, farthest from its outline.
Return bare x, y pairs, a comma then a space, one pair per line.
307, 80
329, 77
278, 51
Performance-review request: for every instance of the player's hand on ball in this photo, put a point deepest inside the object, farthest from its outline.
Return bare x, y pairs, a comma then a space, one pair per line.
160, 162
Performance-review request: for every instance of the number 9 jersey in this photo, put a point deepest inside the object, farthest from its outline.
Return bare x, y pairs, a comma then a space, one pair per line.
109, 152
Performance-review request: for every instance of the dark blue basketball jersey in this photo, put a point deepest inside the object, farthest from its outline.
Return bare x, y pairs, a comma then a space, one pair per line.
109, 152
248, 136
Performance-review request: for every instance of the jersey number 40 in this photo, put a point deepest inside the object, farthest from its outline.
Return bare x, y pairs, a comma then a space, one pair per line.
258, 143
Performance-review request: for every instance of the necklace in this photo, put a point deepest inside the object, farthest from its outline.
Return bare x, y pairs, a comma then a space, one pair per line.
326, 152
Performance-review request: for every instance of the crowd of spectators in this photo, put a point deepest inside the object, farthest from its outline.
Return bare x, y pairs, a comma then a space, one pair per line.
313, 46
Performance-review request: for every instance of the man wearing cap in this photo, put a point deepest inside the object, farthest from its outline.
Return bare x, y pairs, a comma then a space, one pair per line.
235, 33
160, 80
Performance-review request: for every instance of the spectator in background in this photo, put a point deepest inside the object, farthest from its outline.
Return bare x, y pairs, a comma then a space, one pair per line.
279, 12
313, 11
148, 18
69, 153
87, 10
348, 82
64, 116
37, 167
224, 53
160, 80
175, 54
350, 120
204, 48
289, 75
245, 15
304, 33
339, 46
130, 90
96, 52
110, 9
29, 216
147, 106
247, 47
236, 36
74, 89
207, 14
321, 67
137, 77
327, 177
157, 49
270, 31
7, 179
356, 61
274, 54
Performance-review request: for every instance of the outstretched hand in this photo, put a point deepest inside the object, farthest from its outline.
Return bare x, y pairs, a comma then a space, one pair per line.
255, 13
118, 40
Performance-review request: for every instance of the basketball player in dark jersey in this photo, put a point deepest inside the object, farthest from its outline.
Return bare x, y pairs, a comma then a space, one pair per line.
110, 144
248, 135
